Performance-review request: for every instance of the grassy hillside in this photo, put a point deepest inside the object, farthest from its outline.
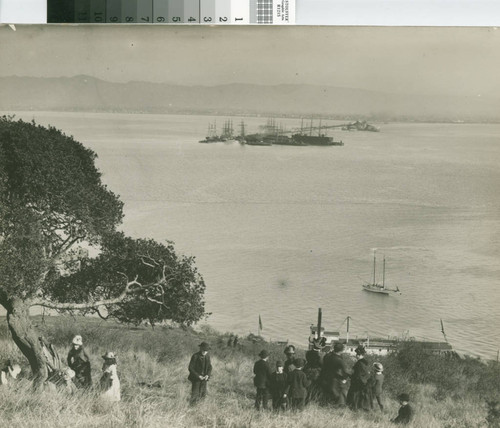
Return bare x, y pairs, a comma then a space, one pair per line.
445, 393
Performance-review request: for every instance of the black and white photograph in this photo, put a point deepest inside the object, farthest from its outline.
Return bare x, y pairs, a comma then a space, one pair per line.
241, 226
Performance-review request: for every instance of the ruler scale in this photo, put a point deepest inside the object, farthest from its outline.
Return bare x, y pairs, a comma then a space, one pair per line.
212, 12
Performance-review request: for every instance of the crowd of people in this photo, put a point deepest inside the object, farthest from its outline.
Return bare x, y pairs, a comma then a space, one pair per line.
296, 382
76, 376
293, 384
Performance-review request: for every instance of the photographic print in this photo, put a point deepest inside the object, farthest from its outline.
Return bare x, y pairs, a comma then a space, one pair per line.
249, 226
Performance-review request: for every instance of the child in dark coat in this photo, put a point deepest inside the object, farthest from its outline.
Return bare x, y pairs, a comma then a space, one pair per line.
405, 413
377, 383
297, 384
278, 387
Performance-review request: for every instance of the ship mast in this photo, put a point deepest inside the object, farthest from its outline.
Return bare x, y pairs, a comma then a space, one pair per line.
374, 264
383, 276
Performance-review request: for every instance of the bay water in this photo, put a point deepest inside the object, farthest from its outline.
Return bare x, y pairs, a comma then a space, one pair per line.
280, 231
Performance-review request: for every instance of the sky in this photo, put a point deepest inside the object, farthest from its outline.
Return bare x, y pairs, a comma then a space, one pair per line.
441, 61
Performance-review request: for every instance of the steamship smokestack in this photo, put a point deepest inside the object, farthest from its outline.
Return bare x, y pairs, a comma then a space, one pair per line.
319, 323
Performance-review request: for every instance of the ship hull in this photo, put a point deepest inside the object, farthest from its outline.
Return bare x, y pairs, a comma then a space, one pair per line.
377, 290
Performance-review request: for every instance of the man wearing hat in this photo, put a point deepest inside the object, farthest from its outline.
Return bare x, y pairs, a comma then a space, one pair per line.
312, 369
200, 370
262, 380
290, 356
334, 376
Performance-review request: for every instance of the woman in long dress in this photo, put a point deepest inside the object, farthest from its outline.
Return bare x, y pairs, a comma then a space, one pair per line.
79, 362
360, 392
110, 383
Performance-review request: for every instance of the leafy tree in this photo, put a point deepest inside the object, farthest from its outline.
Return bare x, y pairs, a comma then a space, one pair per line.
53, 208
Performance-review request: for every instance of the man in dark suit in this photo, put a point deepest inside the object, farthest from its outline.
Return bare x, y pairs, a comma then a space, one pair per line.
262, 380
290, 356
200, 370
334, 376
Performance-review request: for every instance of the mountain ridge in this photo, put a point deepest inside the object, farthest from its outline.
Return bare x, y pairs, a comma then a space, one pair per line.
87, 93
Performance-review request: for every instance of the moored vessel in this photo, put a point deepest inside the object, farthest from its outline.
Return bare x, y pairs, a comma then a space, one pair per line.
374, 286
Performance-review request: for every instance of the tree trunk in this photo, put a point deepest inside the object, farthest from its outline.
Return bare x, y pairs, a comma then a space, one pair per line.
26, 338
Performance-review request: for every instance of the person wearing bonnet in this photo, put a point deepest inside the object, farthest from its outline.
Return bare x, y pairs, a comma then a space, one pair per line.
79, 362
360, 392
110, 383
334, 376
377, 383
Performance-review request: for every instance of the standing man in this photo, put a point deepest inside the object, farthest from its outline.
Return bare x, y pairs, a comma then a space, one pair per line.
200, 370
262, 380
290, 356
335, 375
312, 369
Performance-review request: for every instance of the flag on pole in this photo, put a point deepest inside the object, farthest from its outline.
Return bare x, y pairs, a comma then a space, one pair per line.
260, 323
442, 330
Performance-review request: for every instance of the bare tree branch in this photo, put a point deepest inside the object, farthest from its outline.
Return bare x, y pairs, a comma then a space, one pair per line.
104, 317
89, 305
155, 301
153, 263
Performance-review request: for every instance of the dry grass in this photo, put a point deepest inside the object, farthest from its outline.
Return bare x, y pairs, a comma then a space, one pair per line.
146, 356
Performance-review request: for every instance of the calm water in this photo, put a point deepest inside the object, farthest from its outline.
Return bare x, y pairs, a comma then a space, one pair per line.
281, 231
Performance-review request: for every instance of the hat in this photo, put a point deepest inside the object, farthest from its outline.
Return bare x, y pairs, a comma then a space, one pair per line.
290, 349
263, 354
77, 340
338, 347
109, 356
14, 370
204, 346
378, 367
299, 363
403, 397
360, 350
70, 373
279, 363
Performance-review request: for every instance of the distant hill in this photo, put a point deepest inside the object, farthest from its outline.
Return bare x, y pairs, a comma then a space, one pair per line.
85, 93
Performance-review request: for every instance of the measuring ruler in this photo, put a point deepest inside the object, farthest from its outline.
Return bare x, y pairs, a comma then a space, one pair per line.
212, 12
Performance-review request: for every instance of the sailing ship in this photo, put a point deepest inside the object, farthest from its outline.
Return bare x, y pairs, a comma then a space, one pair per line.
213, 137
228, 131
375, 287
303, 139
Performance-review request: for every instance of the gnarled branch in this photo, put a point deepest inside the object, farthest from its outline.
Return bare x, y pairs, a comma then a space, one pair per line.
89, 305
